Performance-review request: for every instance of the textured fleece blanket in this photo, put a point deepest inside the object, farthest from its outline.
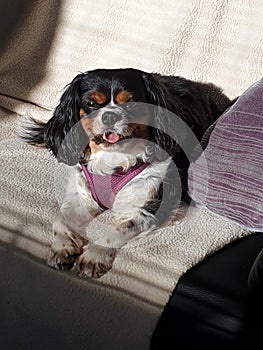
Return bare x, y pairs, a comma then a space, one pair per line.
50, 43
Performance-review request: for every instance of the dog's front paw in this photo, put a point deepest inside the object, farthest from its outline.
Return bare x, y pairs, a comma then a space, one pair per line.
66, 247
95, 261
63, 259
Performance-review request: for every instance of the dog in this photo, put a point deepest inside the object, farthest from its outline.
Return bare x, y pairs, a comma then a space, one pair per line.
127, 136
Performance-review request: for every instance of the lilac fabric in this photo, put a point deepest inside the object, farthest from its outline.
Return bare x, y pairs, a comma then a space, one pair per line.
105, 187
228, 176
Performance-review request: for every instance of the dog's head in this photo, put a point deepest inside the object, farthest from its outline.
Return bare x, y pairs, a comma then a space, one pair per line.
113, 111
103, 110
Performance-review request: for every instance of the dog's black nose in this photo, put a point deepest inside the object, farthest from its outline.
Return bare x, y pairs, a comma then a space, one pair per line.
109, 118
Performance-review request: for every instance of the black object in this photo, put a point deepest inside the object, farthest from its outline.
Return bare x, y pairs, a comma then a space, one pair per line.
255, 278
213, 303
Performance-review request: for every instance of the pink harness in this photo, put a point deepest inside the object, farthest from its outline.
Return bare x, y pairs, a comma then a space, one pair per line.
105, 187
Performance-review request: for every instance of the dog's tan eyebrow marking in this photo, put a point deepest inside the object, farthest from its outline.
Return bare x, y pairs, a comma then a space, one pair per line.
81, 112
123, 96
98, 97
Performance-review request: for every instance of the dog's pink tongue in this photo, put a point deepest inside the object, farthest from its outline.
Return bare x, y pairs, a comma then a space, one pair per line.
110, 137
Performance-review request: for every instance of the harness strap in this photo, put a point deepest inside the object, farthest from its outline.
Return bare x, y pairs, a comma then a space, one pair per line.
104, 188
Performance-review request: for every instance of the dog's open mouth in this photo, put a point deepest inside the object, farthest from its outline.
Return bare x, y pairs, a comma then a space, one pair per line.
109, 137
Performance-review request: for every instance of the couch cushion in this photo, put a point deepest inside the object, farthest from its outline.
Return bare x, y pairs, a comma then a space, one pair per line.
228, 177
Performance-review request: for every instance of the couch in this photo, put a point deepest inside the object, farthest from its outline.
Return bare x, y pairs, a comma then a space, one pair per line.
197, 280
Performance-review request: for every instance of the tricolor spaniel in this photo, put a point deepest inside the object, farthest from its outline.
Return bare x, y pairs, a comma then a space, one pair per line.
128, 136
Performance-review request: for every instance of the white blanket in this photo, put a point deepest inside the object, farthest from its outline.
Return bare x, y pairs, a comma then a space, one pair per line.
219, 43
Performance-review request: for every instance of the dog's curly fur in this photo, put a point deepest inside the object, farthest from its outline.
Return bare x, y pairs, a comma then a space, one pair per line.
111, 119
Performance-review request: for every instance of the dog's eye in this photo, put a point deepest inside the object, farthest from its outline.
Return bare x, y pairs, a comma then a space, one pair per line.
91, 104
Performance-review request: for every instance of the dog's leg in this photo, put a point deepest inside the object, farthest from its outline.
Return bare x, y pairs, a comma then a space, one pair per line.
67, 244
69, 227
97, 257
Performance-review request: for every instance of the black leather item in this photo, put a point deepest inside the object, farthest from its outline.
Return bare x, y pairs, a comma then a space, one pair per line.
212, 304
255, 278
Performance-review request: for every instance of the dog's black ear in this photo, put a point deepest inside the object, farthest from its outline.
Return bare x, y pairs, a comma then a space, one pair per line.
162, 124
63, 133
32, 131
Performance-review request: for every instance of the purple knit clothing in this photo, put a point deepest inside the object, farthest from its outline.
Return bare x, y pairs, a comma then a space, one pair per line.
105, 187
